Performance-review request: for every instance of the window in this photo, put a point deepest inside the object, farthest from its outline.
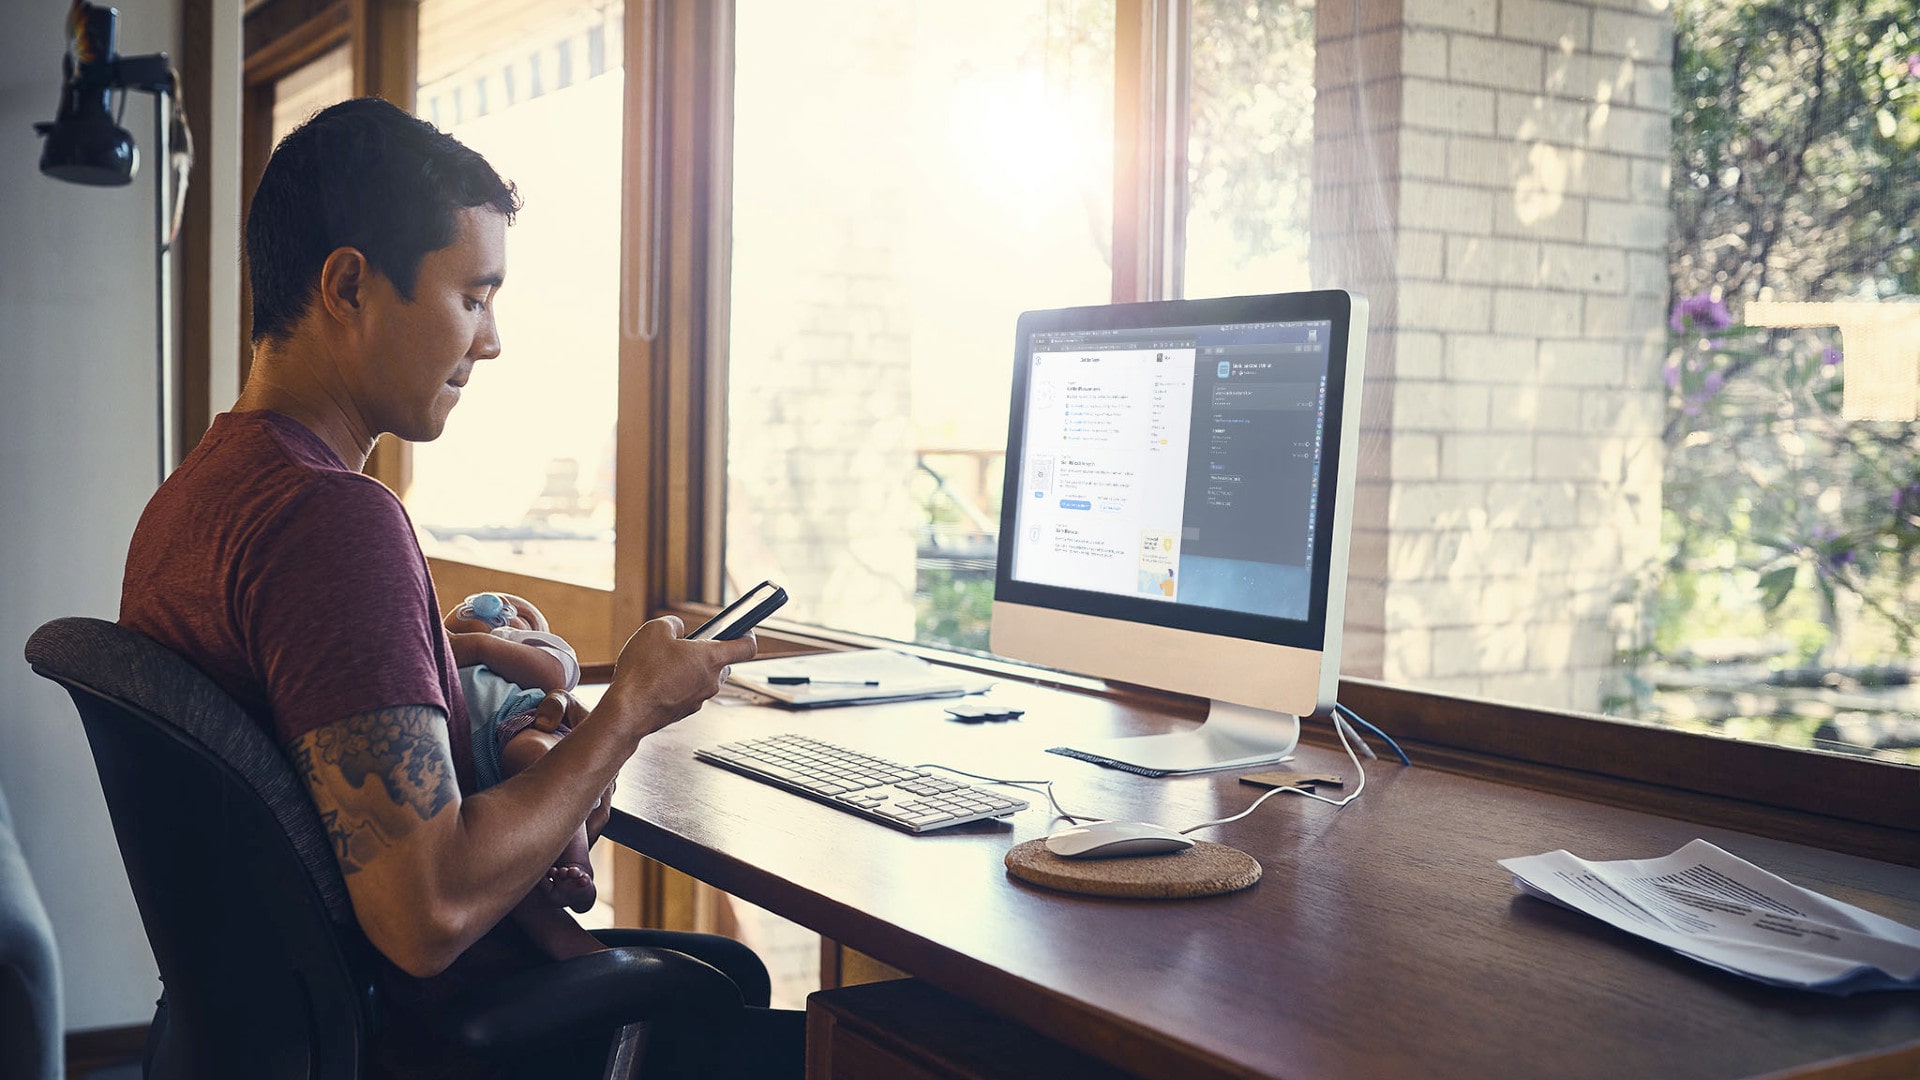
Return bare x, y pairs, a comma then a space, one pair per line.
524, 480
308, 89
1250, 148
906, 179
1783, 606
1528, 198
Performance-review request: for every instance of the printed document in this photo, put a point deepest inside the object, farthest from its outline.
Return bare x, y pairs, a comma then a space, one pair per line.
1719, 909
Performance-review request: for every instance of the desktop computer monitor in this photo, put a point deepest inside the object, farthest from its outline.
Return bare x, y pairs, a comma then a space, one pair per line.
1178, 496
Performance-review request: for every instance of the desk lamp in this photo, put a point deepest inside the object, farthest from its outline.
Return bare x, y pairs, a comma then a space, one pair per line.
84, 145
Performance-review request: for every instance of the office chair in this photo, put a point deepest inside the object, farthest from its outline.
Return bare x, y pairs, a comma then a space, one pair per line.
265, 972
32, 1036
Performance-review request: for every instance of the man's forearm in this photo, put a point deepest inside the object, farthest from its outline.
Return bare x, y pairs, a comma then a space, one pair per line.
428, 871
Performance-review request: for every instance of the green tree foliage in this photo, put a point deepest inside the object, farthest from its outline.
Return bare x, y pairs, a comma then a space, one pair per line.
1795, 130
1795, 127
1250, 125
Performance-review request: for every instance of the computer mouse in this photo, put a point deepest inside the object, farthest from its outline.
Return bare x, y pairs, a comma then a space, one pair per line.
1113, 839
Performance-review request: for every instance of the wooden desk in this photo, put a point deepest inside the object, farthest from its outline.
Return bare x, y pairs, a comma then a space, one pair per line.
1383, 940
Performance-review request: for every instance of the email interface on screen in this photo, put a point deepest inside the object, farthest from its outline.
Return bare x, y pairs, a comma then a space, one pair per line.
1177, 464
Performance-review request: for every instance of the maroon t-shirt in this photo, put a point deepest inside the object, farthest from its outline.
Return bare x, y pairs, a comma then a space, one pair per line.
293, 581
297, 584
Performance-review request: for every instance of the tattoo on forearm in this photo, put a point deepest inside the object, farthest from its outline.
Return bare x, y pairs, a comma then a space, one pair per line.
404, 749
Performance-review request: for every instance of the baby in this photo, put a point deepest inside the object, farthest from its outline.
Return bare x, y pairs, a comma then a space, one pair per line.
508, 662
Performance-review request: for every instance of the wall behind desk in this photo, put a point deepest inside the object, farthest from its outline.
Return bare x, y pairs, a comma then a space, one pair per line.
78, 446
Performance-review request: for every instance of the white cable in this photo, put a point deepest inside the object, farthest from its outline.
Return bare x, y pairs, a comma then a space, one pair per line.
1346, 731
1346, 745
1044, 786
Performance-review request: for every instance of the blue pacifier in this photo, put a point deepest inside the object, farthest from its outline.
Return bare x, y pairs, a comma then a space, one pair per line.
490, 608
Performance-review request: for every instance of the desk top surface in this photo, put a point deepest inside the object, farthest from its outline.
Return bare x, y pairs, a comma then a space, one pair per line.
1383, 940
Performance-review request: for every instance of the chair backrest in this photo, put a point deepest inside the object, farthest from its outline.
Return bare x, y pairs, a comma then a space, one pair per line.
265, 970
31, 1028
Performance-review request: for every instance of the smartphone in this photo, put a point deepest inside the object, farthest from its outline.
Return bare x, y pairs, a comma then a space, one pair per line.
743, 614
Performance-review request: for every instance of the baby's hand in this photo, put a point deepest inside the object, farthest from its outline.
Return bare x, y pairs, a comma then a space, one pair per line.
467, 646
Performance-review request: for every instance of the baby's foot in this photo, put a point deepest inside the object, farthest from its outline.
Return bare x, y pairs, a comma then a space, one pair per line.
570, 886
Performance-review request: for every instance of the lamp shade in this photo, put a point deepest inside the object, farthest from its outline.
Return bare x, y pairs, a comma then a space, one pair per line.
84, 145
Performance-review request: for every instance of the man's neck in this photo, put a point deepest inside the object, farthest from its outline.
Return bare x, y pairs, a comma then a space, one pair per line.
291, 379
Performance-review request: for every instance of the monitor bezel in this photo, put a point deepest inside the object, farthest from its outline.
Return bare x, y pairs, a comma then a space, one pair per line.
1334, 307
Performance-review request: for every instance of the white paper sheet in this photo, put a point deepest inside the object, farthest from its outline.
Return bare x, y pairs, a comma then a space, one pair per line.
896, 676
1719, 909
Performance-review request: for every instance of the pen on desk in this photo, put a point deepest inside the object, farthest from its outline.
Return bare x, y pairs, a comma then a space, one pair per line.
807, 680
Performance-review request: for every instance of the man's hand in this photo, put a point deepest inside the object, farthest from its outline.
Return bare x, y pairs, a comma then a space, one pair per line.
598, 817
664, 677
430, 871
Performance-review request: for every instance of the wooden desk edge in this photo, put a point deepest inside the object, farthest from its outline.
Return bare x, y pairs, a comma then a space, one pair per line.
1121, 1042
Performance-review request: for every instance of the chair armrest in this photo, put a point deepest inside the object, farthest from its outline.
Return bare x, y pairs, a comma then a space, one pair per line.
595, 993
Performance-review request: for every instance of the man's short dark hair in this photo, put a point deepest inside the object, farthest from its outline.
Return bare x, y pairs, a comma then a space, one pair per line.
362, 174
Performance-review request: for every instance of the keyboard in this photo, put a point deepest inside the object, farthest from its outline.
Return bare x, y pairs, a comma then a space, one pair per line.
875, 788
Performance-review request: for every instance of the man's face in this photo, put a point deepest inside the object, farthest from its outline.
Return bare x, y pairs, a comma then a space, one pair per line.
418, 354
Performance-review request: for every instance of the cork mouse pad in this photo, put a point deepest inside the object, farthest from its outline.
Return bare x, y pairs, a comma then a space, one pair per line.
1202, 870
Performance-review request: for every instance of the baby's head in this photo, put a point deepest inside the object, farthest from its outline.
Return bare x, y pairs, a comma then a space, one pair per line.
483, 613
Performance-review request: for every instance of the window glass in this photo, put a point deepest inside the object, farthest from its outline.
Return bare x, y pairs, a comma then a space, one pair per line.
1783, 604
1249, 147
1602, 474
907, 178
1609, 466
308, 89
522, 478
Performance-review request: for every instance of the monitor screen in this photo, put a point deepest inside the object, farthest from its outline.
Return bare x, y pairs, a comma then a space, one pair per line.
1178, 464
1178, 475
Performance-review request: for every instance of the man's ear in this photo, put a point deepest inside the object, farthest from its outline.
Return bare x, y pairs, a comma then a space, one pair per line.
344, 278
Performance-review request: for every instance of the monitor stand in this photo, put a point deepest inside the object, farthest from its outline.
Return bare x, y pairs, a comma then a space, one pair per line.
1232, 737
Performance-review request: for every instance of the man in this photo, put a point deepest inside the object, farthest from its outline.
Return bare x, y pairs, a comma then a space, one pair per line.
376, 247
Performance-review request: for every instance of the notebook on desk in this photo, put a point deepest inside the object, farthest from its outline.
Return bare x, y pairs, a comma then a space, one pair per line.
854, 677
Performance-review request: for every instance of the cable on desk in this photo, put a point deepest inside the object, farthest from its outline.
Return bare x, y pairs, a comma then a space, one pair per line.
1044, 787
1345, 744
1348, 739
1341, 711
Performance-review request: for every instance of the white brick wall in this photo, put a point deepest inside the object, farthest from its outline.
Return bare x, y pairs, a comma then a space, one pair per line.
1488, 358
1486, 457
1502, 65
1535, 312
1524, 152
1532, 407
1567, 27
1583, 268
1645, 37
1477, 16
1485, 260
1442, 106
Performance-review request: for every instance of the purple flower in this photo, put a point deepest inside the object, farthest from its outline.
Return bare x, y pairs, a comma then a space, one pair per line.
1907, 495
1830, 360
1913, 65
1830, 554
1699, 312
1714, 381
